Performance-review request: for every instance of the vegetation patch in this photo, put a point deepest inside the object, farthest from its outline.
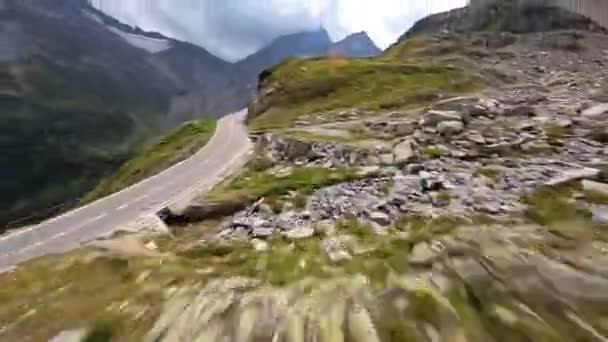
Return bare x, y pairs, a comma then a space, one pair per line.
487, 171
252, 185
304, 87
423, 228
554, 207
175, 147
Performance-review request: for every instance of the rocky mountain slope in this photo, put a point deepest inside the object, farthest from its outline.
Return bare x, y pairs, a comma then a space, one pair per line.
459, 193
81, 92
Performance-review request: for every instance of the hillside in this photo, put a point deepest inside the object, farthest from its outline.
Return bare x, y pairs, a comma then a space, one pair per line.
82, 92
454, 188
75, 100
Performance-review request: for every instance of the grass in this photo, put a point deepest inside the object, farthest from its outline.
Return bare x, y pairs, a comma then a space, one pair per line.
554, 207
175, 147
423, 228
433, 152
556, 133
311, 86
489, 172
46, 296
252, 185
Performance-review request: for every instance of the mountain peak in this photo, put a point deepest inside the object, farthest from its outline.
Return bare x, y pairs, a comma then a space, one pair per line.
356, 45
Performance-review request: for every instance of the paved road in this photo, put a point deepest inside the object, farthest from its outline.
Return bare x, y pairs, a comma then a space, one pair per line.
225, 152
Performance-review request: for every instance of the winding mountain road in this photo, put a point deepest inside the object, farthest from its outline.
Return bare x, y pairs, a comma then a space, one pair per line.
225, 152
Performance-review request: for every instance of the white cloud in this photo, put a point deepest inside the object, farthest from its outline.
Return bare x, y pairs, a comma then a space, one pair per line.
232, 29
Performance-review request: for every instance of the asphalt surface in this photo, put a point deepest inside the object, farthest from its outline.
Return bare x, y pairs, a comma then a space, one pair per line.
224, 152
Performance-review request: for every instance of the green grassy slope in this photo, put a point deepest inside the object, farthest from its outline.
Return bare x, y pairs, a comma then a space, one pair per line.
305, 87
173, 148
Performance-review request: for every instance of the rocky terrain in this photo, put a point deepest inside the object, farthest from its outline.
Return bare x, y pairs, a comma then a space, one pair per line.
474, 212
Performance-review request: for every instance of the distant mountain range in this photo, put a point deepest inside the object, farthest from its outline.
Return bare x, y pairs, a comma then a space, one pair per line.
80, 92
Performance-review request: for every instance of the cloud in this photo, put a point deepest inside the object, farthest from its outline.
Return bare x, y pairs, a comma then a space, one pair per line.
233, 29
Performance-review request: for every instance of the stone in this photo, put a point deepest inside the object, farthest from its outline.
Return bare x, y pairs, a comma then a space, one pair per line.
401, 128
597, 187
563, 122
335, 249
300, 232
476, 138
596, 112
262, 232
422, 255
387, 159
151, 246
573, 174
519, 111
259, 245
70, 336
434, 117
413, 169
449, 128
599, 214
405, 151
380, 218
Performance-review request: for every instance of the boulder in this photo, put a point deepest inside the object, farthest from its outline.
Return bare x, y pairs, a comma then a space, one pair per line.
433, 117
380, 218
405, 152
449, 128
596, 112
573, 174
335, 249
597, 187
300, 232
522, 110
400, 128
422, 255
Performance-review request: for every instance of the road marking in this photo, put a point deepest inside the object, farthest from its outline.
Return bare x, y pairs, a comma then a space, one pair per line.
64, 233
140, 198
124, 206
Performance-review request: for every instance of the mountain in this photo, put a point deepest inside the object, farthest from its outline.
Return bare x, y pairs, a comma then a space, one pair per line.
503, 16
355, 45
310, 44
79, 94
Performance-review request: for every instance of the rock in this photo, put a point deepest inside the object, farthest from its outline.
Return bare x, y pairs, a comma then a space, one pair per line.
70, 336
601, 188
563, 122
596, 112
430, 182
422, 255
599, 214
380, 218
262, 232
449, 128
335, 249
433, 117
405, 152
476, 138
387, 159
259, 245
401, 128
151, 246
519, 111
574, 174
413, 169
300, 232
456, 103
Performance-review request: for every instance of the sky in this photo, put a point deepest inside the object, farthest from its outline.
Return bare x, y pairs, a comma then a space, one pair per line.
234, 29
